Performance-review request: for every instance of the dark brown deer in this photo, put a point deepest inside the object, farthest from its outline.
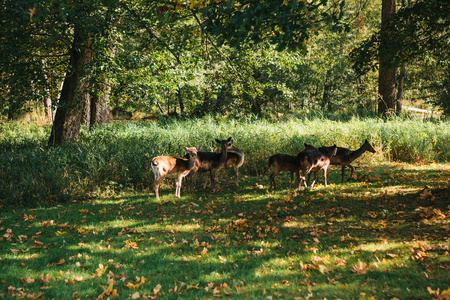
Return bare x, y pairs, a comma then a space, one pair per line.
314, 161
212, 161
235, 159
344, 157
171, 166
282, 163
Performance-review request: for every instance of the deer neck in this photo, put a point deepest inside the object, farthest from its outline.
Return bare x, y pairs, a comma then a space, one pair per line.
191, 162
357, 153
223, 156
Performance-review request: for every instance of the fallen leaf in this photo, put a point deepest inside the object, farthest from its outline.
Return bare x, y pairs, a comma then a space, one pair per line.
135, 295
360, 268
60, 262
100, 270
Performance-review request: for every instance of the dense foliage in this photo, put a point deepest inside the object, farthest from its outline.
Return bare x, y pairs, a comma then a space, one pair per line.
117, 157
200, 57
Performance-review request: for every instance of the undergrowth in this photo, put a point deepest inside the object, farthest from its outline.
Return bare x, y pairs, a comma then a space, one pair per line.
116, 157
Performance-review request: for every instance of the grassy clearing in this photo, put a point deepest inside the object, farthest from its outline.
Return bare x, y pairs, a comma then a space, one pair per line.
116, 157
383, 235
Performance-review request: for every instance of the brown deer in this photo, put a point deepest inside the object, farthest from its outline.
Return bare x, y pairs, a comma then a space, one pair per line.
314, 161
344, 157
172, 166
285, 162
235, 159
212, 161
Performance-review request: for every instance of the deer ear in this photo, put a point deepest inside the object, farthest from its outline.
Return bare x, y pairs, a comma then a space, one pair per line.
186, 149
217, 141
199, 148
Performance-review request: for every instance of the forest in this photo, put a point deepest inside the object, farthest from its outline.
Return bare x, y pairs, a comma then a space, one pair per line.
150, 59
98, 97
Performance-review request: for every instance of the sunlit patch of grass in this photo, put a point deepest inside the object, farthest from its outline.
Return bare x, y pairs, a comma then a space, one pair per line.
375, 236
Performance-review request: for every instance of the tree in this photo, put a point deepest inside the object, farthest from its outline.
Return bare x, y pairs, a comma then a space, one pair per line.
420, 31
27, 70
76, 106
386, 74
287, 24
74, 36
74, 94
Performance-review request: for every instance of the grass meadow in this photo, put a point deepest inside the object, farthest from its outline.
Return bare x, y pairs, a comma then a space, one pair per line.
81, 221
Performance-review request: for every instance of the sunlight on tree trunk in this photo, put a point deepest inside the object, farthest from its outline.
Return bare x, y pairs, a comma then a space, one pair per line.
74, 95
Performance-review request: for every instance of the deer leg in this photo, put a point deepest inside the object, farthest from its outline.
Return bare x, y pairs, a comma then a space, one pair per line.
325, 176
156, 186
302, 180
272, 182
316, 175
236, 171
342, 173
188, 180
212, 180
292, 179
209, 178
351, 172
178, 182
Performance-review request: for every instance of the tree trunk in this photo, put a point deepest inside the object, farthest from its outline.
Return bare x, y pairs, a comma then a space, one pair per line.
401, 81
257, 107
48, 109
74, 94
386, 75
401, 77
86, 110
100, 104
326, 101
180, 101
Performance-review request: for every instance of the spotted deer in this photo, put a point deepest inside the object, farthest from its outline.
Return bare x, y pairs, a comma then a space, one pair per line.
314, 161
171, 166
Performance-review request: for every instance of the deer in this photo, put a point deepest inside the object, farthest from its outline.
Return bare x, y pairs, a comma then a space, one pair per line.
344, 157
235, 159
314, 161
172, 166
285, 162
212, 161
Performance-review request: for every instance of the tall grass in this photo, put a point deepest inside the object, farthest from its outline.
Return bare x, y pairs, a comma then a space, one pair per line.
117, 156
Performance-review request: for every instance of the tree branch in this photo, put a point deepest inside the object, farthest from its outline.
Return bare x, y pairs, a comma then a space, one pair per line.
150, 31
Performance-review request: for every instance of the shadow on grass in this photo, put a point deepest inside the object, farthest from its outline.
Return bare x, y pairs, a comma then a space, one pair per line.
378, 235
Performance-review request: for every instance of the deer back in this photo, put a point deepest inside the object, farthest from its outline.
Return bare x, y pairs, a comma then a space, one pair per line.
210, 160
311, 160
284, 162
173, 165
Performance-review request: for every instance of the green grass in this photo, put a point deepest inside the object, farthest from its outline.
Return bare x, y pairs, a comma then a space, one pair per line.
116, 157
81, 221
384, 235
